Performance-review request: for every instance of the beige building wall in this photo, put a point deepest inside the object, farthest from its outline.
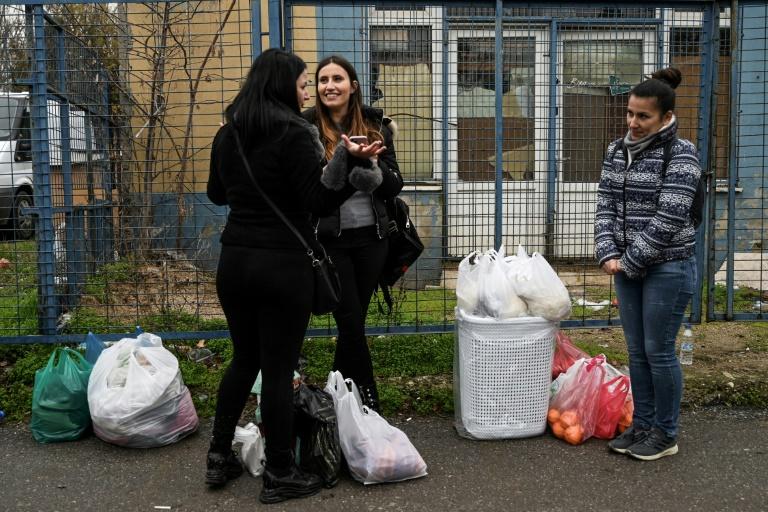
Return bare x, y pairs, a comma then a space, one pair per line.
208, 54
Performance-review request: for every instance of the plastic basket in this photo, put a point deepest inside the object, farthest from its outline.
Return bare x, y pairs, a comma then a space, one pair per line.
502, 374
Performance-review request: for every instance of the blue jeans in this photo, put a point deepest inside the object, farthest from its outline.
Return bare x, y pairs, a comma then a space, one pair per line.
651, 311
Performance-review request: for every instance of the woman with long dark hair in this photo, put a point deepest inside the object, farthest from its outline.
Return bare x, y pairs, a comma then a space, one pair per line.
355, 234
265, 278
645, 237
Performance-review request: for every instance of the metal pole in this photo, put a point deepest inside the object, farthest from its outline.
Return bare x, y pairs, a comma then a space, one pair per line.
499, 128
549, 228
710, 50
733, 151
275, 24
444, 131
41, 172
255, 29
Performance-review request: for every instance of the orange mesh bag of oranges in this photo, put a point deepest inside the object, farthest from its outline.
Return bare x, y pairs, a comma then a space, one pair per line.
613, 396
573, 411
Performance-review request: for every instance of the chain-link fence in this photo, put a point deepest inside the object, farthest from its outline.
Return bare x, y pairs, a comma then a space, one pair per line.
108, 110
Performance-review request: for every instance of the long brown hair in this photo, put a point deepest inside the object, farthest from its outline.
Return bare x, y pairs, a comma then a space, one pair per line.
354, 123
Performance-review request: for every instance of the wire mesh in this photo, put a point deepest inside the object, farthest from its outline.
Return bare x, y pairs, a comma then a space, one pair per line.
503, 125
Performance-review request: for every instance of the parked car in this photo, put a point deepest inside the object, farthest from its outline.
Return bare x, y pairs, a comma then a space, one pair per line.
16, 179
16, 191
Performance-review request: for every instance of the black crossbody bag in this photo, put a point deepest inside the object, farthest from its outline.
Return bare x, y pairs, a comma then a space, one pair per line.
327, 283
405, 246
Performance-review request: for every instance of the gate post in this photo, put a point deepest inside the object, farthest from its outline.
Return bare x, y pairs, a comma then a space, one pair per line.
710, 51
41, 174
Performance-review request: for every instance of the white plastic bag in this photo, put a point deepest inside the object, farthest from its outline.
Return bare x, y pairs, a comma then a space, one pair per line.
375, 451
497, 297
543, 291
467, 286
252, 449
137, 397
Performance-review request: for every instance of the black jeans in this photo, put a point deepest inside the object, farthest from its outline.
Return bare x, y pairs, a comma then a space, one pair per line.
266, 295
359, 256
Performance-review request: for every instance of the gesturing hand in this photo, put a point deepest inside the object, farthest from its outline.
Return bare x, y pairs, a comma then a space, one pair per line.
372, 150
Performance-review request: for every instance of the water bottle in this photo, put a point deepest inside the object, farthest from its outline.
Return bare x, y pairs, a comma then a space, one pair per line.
686, 346
2, 415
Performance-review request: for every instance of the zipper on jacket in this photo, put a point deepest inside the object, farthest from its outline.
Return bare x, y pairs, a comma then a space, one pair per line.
376, 216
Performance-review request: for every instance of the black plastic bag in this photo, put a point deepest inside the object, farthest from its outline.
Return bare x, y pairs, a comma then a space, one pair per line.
318, 433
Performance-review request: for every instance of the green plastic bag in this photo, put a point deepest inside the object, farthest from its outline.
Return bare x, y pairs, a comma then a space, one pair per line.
60, 398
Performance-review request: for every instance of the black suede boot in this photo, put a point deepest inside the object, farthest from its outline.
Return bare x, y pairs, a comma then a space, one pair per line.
221, 467
370, 396
292, 483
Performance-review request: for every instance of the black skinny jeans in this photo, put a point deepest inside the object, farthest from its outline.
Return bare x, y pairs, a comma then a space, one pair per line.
359, 256
266, 295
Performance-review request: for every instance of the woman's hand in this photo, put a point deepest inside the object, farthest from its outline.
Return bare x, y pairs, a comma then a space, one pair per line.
612, 267
363, 150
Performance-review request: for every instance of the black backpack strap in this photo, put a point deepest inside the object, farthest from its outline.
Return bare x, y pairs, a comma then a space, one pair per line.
667, 157
619, 146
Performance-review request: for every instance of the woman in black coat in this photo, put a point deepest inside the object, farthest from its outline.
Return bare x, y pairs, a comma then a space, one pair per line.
355, 235
265, 278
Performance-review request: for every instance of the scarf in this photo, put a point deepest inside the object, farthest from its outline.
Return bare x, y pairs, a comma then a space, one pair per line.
635, 147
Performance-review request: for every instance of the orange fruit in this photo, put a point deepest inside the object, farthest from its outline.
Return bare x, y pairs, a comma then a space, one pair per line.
553, 415
574, 434
558, 430
569, 418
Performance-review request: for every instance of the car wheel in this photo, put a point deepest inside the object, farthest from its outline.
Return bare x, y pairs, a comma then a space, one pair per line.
23, 224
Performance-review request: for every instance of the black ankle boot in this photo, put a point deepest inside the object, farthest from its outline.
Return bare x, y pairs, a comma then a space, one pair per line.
293, 484
222, 467
370, 396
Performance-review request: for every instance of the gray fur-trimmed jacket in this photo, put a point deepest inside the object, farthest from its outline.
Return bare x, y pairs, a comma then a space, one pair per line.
391, 181
639, 219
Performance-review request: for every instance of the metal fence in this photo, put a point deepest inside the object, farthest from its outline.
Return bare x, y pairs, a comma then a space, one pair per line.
107, 112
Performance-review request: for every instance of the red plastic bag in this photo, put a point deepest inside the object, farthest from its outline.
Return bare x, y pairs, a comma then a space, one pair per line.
610, 408
566, 353
572, 413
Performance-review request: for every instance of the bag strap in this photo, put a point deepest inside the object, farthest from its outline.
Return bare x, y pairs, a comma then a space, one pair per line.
271, 204
667, 157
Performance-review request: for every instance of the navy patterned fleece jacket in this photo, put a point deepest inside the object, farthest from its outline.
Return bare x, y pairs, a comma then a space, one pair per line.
639, 219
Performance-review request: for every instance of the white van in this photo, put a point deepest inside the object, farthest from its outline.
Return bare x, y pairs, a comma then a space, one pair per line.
16, 187
15, 164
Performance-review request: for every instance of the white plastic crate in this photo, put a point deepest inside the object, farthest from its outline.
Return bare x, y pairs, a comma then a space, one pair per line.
502, 372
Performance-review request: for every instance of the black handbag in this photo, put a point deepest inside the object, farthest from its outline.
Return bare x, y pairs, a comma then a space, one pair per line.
405, 246
327, 283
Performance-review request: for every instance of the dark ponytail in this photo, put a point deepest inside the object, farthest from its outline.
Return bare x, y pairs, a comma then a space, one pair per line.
661, 86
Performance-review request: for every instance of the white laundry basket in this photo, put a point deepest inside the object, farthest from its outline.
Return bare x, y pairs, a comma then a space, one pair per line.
501, 376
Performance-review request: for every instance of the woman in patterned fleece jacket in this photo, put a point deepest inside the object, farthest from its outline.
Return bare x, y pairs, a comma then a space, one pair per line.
645, 238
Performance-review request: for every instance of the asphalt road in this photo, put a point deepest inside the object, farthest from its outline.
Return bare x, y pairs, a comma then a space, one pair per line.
722, 465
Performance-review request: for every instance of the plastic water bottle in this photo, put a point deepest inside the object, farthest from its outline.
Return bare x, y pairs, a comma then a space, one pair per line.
2, 415
686, 346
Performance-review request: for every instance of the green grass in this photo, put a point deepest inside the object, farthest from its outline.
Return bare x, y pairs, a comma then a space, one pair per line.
393, 356
18, 289
16, 384
758, 342
424, 307
97, 285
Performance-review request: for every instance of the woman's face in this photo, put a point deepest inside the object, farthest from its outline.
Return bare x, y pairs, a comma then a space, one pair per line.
302, 94
334, 88
644, 117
